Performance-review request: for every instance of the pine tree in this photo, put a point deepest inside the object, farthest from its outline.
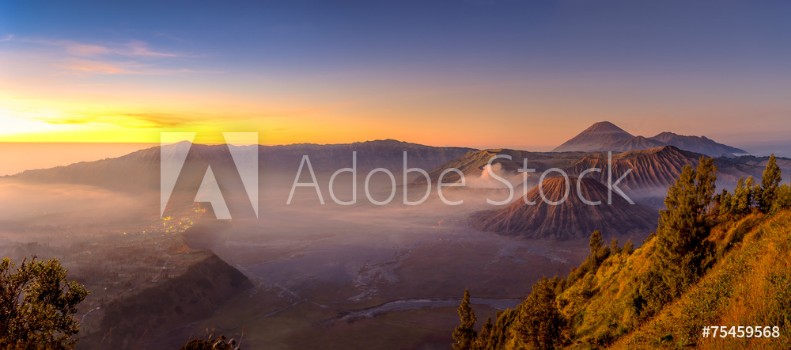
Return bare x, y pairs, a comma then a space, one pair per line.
684, 226
540, 322
628, 247
595, 243
614, 248
705, 181
744, 197
484, 338
598, 252
783, 200
464, 335
724, 204
770, 181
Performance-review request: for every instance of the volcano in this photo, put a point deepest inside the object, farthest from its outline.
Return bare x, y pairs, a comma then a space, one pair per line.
606, 136
597, 137
571, 219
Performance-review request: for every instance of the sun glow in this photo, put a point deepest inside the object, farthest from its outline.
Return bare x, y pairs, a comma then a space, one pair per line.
16, 122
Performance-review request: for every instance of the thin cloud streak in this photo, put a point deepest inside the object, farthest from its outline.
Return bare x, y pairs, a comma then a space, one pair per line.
132, 48
134, 57
138, 48
125, 120
95, 67
109, 67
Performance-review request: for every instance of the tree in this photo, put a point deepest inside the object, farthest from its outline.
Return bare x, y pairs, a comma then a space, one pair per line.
783, 200
464, 335
484, 338
652, 294
724, 204
596, 242
684, 226
540, 322
628, 247
598, 251
770, 181
705, 181
211, 342
743, 197
614, 248
37, 304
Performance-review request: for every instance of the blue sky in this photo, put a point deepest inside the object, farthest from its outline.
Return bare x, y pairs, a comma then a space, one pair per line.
471, 69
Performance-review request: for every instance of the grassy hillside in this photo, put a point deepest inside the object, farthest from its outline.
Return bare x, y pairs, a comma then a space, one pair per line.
714, 260
750, 285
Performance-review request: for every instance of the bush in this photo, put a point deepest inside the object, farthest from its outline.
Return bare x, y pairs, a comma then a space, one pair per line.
37, 304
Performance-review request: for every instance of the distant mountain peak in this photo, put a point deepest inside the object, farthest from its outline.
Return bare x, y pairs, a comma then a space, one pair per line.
605, 127
595, 137
697, 144
606, 136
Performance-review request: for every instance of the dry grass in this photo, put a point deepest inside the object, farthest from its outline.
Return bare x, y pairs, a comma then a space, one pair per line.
748, 286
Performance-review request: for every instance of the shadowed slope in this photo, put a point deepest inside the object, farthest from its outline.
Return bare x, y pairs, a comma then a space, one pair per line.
570, 219
698, 144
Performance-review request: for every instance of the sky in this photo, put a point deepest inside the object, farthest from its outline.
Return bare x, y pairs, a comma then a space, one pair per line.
478, 73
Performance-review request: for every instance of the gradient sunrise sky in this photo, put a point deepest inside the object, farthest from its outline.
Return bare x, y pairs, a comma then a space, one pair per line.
523, 74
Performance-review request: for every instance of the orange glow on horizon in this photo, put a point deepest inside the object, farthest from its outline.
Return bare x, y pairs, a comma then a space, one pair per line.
36, 120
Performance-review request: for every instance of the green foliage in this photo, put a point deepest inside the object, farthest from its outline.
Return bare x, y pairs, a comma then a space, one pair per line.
598, 253
499, 334
652, 294
37, 304
707, 262
596, 242
770, 181
783, 199
749, 285
541, 323
722, 204
743, 197
614, 248
684, 226
628, 247
464, 335
780, 300
485, 337
741, 202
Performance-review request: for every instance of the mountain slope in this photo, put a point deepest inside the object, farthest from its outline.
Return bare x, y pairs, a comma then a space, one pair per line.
140, 170
606, 136
634, 143
750, 285
602, 303
649, 169
652, 171
596, 137
472, 163
571, 219
698, 144
141, 319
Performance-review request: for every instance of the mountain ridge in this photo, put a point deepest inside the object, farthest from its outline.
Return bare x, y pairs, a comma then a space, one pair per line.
570, 219
606, 136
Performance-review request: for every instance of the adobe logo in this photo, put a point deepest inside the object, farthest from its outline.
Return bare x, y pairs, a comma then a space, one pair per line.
173, 154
